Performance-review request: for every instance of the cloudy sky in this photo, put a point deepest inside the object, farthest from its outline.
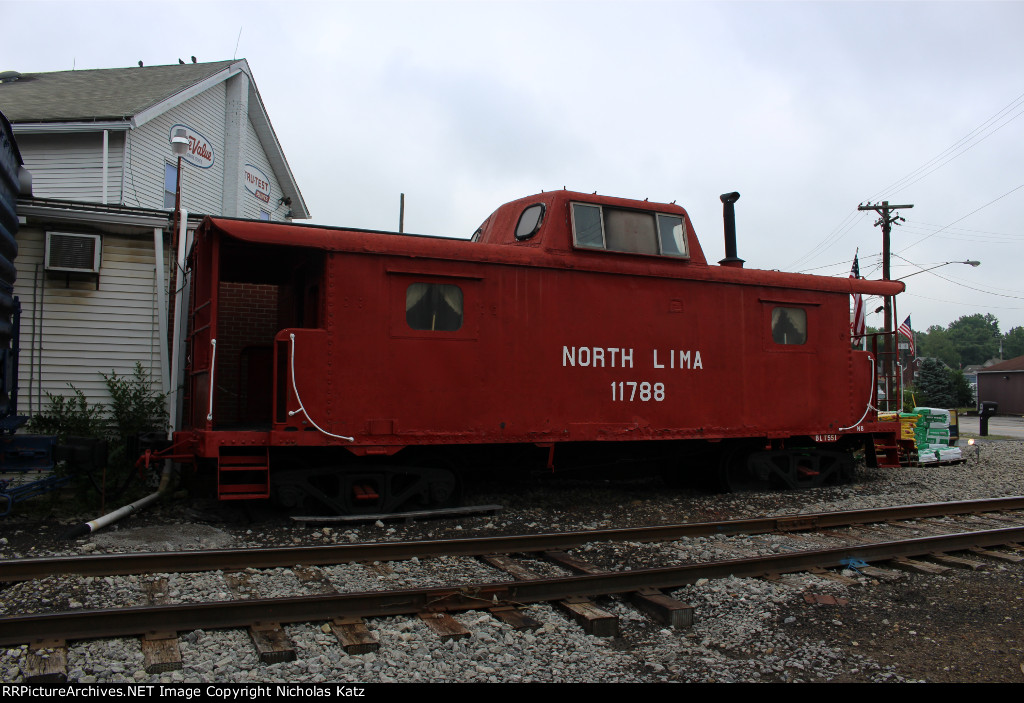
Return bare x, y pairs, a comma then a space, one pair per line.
806, 108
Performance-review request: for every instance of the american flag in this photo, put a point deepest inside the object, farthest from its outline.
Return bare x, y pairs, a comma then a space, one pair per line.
858, 326
905, 331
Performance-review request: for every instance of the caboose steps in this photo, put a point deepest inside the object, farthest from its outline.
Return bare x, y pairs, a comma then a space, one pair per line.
885, 453
244, 476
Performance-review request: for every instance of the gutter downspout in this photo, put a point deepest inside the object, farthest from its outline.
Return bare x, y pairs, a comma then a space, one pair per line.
161, 305
106, 156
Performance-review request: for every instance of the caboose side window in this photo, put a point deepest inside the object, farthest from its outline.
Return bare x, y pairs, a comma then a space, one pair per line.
436, 307
586, 226
672, 235
630, 231
789, 325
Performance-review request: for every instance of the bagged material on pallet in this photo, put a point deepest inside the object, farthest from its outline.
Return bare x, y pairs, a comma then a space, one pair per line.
934, 416
950, 454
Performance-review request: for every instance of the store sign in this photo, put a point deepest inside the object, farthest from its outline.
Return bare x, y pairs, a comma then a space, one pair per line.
257, 183
200, 151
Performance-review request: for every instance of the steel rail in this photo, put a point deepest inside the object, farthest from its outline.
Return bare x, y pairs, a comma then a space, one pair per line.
266, 558
129, 621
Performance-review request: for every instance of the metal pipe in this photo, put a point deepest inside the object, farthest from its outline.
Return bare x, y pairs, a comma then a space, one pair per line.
86, 528
729, 214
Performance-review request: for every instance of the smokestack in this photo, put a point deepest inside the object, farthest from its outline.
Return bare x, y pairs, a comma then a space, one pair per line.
729, 213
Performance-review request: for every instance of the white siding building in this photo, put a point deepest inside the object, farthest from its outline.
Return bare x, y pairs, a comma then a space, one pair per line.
97, 144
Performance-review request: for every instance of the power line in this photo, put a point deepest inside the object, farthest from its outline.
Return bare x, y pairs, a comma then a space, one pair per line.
958, 149
960, 302
961, 146
910, 246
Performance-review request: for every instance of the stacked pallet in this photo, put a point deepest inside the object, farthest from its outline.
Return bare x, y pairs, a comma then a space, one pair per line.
931, 436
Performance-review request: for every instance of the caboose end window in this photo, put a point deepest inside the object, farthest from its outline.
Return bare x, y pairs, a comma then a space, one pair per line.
789, 325
529, 221
436, 307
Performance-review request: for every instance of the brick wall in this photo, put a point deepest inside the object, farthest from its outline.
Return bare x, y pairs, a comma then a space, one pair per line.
247, 322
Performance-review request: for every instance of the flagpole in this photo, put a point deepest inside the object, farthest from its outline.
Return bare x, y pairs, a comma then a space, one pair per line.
899, 365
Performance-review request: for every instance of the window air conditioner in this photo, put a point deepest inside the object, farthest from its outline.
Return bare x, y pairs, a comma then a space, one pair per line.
73, 253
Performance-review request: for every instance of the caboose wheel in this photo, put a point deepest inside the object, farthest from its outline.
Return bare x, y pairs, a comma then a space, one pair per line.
735, 471
380, 489
802, 467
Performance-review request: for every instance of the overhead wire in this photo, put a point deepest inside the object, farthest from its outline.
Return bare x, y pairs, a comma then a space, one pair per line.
958, 149
979, 134
1013, 190
962, 283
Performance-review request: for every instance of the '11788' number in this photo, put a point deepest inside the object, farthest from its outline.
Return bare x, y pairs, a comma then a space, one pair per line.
638, 390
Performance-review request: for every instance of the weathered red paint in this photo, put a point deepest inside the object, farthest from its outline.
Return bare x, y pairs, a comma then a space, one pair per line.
533, 312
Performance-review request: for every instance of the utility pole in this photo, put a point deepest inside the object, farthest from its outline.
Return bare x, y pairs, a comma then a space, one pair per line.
887, 220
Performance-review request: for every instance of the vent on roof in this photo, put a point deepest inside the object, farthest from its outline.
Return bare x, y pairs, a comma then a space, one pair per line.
73, 253
9, 76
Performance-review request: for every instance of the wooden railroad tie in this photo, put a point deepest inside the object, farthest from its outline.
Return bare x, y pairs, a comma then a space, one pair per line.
592, 619
272, 643
313, 579
444, 625
663, 608
515, 618
920, 567
160, 650
957, 562
1002, 556
354, 636
47, 662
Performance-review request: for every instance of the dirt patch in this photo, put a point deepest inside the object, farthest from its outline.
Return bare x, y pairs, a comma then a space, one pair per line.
963, 626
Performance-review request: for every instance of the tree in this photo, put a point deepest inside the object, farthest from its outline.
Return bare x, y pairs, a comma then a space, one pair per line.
1013, 343
936, 342
935, 385
976, 337
962, 390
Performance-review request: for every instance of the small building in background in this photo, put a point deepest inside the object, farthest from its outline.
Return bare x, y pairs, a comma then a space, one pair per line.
1003, 383
94, 261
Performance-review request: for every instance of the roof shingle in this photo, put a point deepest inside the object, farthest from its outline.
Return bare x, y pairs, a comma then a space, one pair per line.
98, 94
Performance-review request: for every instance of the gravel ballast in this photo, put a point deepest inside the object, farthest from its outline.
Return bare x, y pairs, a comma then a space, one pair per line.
960, 626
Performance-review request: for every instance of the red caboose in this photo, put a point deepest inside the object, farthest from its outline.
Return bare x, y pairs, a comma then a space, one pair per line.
357, 369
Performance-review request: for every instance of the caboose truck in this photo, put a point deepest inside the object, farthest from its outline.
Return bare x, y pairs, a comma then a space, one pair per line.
360, 371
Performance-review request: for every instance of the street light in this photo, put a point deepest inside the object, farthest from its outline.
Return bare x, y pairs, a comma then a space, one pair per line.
975, 264
179, 147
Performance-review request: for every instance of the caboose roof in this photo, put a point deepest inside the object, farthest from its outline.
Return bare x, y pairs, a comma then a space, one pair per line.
372, 242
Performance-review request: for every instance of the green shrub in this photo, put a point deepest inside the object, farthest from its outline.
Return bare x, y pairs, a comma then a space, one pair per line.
135, 408
70, 416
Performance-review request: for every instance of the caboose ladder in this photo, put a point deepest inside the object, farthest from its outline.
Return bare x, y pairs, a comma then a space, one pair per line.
242, 476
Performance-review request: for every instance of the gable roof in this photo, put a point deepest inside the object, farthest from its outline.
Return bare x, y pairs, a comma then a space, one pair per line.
127, 98
1015, 364
98, 94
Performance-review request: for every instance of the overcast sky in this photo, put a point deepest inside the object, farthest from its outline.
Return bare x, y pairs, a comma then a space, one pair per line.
806, 108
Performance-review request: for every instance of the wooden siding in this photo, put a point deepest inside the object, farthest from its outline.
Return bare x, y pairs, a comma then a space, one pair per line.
255, 155
86, 331
70, 166
149, 149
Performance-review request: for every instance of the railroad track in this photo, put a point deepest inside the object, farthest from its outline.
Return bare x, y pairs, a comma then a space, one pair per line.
795, 543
